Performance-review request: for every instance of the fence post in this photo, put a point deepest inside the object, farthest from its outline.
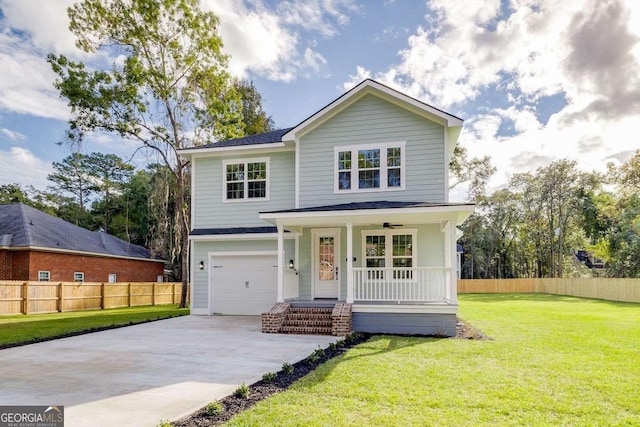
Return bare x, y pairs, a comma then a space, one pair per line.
129, 292
173, 293
102, 296
60, 297
25, 298
153, 293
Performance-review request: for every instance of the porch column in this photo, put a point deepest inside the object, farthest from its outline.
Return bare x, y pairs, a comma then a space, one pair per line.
349, 263
453, 281
280, 264
446, 229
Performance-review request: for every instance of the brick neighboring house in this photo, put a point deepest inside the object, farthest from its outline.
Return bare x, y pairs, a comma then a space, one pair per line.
36, 246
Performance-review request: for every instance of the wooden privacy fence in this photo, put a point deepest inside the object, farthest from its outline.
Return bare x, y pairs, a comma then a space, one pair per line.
18, 297
627, 290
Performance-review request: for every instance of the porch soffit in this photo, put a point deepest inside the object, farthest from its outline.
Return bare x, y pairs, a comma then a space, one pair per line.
416, 213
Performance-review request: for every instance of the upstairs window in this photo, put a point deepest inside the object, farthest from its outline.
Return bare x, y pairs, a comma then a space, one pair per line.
78, 276
377, 167
44, 276
246, 180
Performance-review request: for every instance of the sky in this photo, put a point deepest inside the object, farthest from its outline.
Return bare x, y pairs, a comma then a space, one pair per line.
534, 80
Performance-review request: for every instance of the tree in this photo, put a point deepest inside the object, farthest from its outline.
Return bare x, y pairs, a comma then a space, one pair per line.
170, 91
253, 115
73, 175
476, 172
110, 173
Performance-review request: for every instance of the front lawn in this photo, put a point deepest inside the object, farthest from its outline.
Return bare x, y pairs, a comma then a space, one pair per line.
18, 329
554, 360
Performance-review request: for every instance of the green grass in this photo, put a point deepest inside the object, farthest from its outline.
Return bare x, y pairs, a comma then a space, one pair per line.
554, 361
21, 329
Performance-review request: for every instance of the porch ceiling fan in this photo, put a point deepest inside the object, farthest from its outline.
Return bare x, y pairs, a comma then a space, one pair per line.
391, 226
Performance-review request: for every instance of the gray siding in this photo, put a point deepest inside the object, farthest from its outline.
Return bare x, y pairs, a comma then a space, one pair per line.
405, 323
373, 120
202, 248
207, 202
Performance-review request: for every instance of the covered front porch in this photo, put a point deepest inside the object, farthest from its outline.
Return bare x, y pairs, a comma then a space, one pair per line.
371, 255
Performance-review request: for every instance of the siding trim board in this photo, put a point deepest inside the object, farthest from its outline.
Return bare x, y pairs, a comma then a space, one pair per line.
410, 324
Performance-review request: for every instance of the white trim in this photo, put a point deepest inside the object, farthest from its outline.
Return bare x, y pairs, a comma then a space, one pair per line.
247, 236
383, 147
245, 161
281, 261
315, 232
297, 175
239, 149
192, 266
446, 167
74, 252
362, 216
193, 191
349, 263
434, 308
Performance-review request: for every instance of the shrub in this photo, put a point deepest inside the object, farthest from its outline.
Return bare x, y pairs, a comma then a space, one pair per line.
315, 357
164, 423
333, 346
287, 368
269, 377
214, 408
242, 391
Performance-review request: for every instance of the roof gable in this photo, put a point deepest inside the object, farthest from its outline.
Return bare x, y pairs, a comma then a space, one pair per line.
372, 87
24, 226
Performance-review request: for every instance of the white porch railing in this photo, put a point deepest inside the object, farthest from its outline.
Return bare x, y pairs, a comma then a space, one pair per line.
415, 284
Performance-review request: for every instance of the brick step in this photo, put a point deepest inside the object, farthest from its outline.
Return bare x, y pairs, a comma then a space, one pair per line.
308, 316
316, 310
308, 322
306, 330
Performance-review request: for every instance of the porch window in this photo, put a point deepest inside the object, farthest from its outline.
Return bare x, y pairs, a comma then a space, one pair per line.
392, 248
375, 167
245, 180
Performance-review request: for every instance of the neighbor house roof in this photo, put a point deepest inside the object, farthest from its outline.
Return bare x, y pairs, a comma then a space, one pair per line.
24, 227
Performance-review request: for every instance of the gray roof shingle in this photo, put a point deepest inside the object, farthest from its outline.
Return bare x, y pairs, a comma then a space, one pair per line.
24, 226
368, 205
257, 139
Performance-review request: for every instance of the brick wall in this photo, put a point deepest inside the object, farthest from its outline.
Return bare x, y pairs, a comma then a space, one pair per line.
273, 319
5, 265
341, 320
25, 265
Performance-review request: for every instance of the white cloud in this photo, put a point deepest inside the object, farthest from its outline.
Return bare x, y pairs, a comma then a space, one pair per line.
264, 40
12, 135
472, 59
21, 166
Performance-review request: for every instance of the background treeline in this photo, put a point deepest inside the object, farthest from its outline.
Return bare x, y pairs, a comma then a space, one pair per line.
103, 192
534, 226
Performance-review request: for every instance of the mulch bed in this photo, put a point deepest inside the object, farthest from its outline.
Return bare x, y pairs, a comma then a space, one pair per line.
232, 405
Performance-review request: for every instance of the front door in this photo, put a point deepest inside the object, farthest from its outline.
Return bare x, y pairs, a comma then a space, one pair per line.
326, 263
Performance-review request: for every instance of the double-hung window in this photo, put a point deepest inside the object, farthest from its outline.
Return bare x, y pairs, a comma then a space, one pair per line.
44, 276
371, 167
389, 248
246, 179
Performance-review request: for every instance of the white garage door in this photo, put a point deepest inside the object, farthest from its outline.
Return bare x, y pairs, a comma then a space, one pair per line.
243, 284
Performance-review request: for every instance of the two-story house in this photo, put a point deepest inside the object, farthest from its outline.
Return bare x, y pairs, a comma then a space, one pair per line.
347, 210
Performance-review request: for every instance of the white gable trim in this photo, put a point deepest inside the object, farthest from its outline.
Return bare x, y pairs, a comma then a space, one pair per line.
371, 87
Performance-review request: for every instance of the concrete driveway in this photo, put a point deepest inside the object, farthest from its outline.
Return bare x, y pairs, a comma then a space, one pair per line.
139, 375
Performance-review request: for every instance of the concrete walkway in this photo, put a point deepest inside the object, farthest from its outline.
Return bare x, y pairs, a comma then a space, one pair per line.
140, 375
